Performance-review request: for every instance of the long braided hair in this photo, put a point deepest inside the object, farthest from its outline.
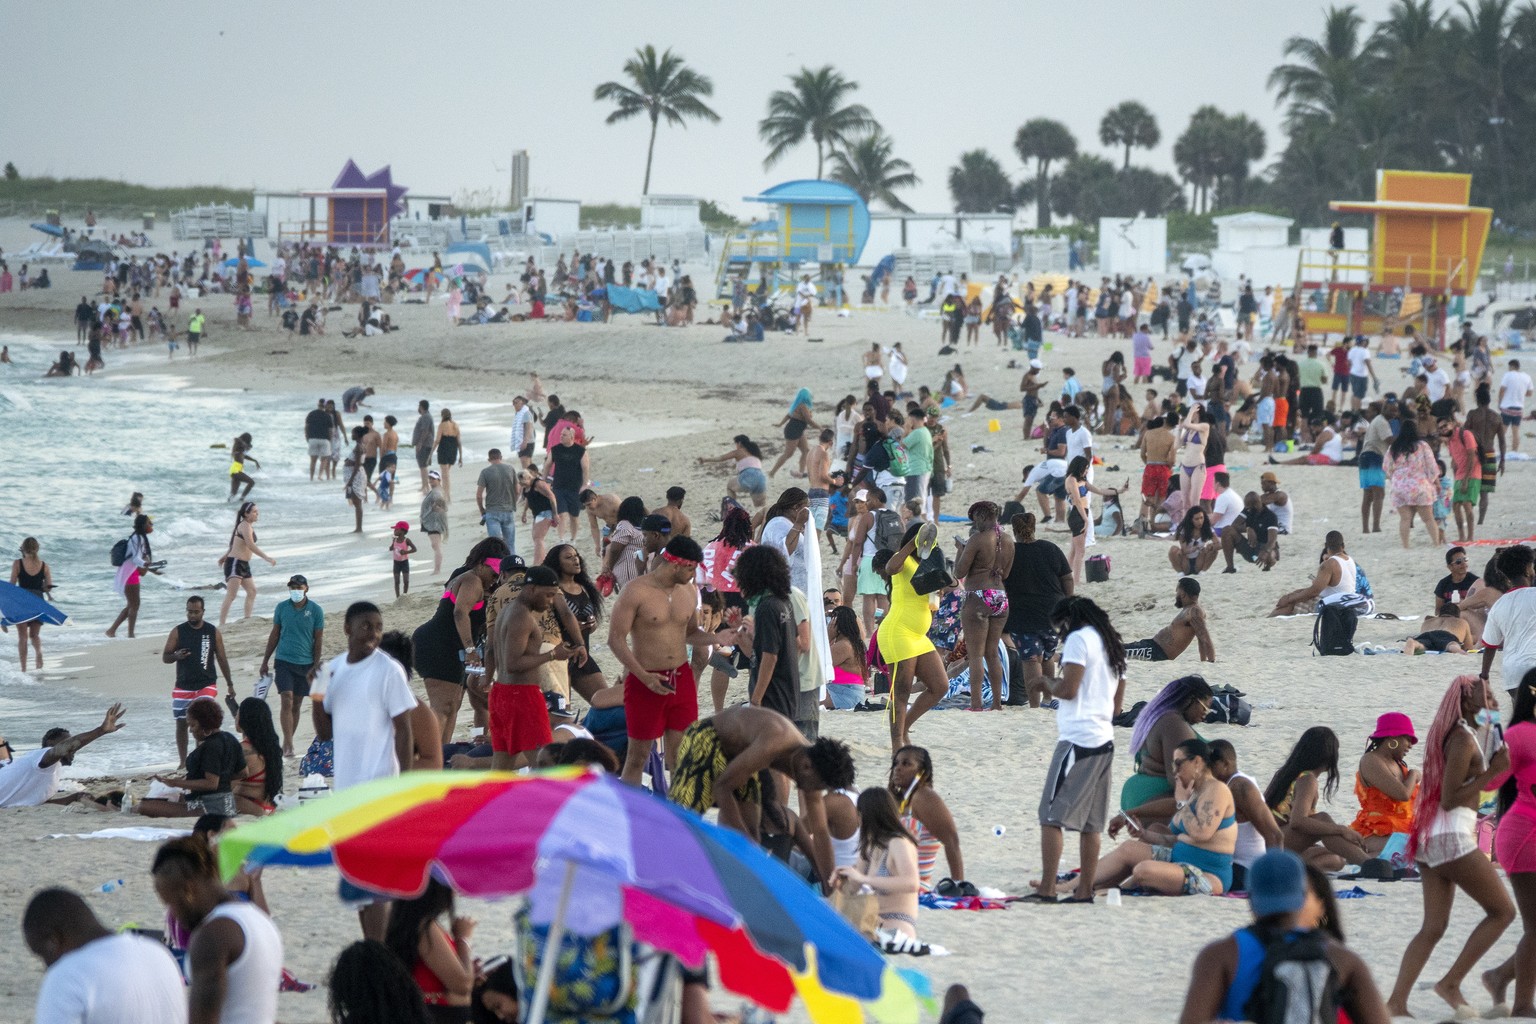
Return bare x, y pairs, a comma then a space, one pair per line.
1449, 716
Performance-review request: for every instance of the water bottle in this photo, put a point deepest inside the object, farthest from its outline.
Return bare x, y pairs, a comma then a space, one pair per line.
112, 886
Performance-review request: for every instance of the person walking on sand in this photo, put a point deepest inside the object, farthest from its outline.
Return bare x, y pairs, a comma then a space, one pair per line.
235, 563
448, 451
31, 573
317, 436
354, 480
296, 639
434, 517
1090, 690
196, 648
795, 423
136, 562
421, 440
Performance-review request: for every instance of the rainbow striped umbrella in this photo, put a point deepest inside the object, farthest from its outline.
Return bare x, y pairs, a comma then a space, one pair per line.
682, 884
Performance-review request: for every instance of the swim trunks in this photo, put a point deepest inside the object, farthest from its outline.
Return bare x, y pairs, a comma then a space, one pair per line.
1437, 640
700, 761
1145, 650
649, 715
1154, 481
519, 718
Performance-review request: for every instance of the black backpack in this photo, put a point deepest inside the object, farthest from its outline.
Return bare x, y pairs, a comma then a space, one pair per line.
1228, 707
1333, 632
1297, 982
119, 553
887, 530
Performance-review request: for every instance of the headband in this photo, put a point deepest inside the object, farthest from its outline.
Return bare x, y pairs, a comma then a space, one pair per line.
669, 556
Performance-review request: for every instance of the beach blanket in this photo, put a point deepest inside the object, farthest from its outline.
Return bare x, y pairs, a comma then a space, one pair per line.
931, 902
633, 300
1356, 893
137, 833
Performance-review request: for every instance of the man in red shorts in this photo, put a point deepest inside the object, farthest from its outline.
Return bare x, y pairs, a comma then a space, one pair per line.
1158, 446
659, 613
519, 715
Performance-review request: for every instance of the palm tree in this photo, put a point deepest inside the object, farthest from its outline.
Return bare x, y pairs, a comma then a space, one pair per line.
978, 185
1197, 154
660, 87
1130, 124
1325, 75
814, 108
1085, 189
1044, 141
868, 168
1240, 141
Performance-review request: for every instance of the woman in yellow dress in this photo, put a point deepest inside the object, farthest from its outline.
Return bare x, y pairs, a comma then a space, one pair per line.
903, 633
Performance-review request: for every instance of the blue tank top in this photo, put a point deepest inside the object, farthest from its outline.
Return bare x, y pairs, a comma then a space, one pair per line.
1250, 961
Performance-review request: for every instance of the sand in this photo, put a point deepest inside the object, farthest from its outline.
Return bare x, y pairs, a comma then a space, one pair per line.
685, 394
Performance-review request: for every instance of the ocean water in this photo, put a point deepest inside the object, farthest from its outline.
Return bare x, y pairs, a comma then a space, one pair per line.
72, 451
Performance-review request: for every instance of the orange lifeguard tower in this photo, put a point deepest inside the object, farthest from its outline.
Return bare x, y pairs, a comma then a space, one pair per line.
1426, 246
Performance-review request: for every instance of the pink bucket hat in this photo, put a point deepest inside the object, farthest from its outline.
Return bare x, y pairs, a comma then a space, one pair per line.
1394, 723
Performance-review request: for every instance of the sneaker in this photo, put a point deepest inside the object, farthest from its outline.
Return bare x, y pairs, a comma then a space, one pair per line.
1050, 705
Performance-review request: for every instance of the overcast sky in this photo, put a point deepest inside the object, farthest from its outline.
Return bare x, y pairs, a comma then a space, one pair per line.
277, 95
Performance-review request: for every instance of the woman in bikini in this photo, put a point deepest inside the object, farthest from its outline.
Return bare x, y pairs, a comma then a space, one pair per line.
887, 864
1384, 784
446, 645
984, 563
1192, 435
1194, 856
795, 423
1078, 514
850, 663
257, 789
927, 817
1462, 758
1312, 770
236, 561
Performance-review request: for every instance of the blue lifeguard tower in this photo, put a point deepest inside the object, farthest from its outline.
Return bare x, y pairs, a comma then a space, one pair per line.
816, 224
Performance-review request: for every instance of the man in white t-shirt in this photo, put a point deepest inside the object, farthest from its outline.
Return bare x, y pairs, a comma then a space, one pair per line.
1514, 389
96, 976
33, 778
1361, 371
1436, 383
1088, 692
1511, 624
366, 710
522, 430
1227, 507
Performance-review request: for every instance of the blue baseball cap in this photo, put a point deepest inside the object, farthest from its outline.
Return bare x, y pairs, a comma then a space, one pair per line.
1277, 884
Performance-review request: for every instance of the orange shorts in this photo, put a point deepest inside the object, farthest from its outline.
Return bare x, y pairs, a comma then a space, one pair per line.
1282, 412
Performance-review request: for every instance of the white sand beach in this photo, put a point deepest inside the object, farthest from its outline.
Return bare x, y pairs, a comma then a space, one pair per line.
664, 397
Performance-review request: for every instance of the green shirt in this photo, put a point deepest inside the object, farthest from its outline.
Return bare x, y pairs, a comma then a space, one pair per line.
195, 325
919, 445
297, 626
1310, 372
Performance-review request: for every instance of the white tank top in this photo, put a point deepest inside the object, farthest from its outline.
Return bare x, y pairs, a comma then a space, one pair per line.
253, 979
1334, 449
1283, 512
845, 852
1250, 845
1346, 584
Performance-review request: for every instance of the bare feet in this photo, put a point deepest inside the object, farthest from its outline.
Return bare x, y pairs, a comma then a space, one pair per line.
1497, 984
1395, 1010
1452, 995
112, 632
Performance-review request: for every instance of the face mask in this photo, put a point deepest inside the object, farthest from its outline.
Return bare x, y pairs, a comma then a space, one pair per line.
296, 596
1487, 716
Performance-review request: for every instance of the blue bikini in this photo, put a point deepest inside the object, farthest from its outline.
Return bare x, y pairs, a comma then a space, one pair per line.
1218, 864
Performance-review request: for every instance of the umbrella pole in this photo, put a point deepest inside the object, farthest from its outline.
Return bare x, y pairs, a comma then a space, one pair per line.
540, 1002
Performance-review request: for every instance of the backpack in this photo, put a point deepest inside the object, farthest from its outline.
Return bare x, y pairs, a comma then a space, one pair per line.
1297, 982
1333, 632
119, 553
899, 463
1096, 570
878, 457
887, 530
1228, 707
1127, 719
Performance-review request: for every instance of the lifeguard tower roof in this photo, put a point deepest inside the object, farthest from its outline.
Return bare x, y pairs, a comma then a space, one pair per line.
1426, 237
818, 222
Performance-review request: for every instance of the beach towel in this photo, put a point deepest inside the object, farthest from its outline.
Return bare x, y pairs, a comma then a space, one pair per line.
137, 833
633, 300
931, 902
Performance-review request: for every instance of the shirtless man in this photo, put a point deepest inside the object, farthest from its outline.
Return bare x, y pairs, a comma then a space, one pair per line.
1158, 447
818, 470
874, 363
660, 612
749, 739
1030, 386
673, 510
1266, 383
604, 507
1187, 626
372, 441
1446, 633
983, 564
519, 714
1487, 426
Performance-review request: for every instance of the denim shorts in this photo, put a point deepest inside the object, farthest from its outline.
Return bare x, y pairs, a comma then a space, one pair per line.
752, 480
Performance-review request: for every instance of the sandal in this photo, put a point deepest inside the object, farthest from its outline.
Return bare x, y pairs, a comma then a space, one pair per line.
899, 942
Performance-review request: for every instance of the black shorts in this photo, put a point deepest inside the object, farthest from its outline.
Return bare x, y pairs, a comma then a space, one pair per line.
424, 456
402, 568
1075, 522
1437, 640
235, 568
291, 678
1311, 402
526, 451
1145, 650
938, 486
369, 464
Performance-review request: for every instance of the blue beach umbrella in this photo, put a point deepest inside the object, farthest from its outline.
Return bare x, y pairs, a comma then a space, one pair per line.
18, 606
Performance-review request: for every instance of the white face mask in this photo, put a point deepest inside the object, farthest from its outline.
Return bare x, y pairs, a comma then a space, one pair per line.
296, 596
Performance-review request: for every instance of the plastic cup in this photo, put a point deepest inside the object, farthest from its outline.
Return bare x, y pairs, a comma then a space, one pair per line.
1112, 898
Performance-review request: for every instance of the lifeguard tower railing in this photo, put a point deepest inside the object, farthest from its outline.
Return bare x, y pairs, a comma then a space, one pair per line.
322, 233
1354, 291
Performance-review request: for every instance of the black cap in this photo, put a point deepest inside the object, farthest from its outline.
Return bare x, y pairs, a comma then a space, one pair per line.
541, 576
297, 581
656, 524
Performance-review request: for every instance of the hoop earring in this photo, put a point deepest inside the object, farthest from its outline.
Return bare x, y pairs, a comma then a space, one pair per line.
1391, 744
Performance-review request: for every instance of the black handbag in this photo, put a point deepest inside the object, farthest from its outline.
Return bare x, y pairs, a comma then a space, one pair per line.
932, 574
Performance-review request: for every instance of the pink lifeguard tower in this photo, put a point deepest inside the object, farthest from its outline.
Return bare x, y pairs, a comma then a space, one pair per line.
357, 210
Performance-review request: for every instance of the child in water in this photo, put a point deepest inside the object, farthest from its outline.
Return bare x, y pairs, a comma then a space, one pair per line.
401, 548
386, 487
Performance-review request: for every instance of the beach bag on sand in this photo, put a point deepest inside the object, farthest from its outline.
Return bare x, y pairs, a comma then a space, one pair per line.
1297, 982
1333, 631
858, 909
1127, 719
1228, 707
1097, 569
119, 553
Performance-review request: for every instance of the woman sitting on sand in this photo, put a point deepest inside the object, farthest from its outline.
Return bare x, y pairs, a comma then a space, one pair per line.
1292, 797
1167, 721
211, 768
1483, 595
438, 958
888, 865
850, 662
1201, 837
257, 788
926, 816
1384, 784
1461, 760
1195, 547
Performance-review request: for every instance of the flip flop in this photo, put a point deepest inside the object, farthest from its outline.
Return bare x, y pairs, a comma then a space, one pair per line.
1077, 899
1036, 897
927, 539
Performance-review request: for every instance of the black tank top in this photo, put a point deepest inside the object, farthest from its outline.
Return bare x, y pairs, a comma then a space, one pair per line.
537, 503
197, 670
32, 581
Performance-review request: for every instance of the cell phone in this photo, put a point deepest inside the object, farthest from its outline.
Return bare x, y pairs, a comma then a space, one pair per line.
1133, 825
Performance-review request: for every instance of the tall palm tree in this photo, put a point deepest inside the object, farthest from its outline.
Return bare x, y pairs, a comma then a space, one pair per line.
1484, 55
1240, 142
1324, 75
1130, 124
1043, 141
978, 184
814, 108
1197, 154
660, 87
867, 167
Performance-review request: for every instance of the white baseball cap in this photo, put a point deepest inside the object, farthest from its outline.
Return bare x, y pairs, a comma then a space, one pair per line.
1035, 364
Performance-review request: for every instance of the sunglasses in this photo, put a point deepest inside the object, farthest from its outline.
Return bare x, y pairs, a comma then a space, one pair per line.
1180, 762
